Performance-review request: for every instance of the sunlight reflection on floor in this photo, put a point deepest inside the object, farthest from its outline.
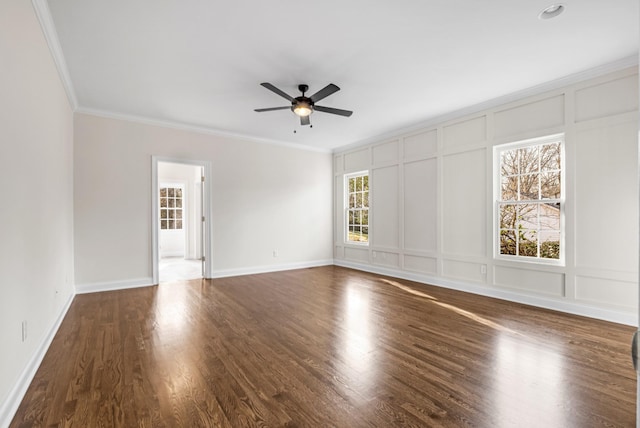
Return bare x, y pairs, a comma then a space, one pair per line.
528, 375
455, 309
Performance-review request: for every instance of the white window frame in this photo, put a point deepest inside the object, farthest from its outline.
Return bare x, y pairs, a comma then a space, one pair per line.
346, 208
174, 186
497, 178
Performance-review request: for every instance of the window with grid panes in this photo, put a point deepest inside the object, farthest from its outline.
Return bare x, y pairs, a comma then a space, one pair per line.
357, 203
529, 208
171, 208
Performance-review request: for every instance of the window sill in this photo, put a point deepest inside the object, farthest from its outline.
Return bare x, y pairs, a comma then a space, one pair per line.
356, 244
551, 264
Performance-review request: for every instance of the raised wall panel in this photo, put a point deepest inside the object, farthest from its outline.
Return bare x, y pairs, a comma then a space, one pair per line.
384, 207
420, 205
357, 254
420, 264
337, 164
464, 190
467, 271
356, 161
419, 145
465, 133
533, 281
607, 99
383, 258
385, 153
607, 291
606, 198
539, 115
338, 192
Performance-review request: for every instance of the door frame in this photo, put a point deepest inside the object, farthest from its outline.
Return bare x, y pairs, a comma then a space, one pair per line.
207, 205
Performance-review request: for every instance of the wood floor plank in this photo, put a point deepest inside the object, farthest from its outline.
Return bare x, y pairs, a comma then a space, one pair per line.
326, 346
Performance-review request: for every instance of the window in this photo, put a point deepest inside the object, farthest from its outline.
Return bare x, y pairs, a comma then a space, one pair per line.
357, 203
529, 208
171, 208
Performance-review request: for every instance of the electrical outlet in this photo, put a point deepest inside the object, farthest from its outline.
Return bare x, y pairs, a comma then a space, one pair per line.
483, 269
275, 253
24, 330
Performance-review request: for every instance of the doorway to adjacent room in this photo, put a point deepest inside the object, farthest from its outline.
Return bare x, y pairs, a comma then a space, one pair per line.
180, 220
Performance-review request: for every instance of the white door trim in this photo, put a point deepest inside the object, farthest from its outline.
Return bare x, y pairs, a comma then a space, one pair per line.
208, 244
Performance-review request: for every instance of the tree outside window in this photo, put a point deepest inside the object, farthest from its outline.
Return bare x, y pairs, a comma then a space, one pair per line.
357, 219
171, 208
530, 200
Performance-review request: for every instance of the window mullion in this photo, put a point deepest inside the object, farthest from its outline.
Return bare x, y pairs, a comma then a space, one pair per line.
529, 217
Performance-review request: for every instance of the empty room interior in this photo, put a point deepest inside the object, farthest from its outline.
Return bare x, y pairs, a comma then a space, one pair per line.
345, 214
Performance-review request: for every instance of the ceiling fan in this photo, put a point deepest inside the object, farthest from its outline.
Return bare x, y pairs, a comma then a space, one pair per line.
303, 106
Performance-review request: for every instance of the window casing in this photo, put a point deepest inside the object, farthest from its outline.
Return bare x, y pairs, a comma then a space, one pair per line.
171, 199
357, 208
529, 208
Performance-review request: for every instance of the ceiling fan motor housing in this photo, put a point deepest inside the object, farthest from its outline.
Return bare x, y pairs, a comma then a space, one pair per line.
302, 106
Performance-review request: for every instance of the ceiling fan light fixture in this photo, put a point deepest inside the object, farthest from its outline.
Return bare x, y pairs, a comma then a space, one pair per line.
302, 109
303, 106
551, 11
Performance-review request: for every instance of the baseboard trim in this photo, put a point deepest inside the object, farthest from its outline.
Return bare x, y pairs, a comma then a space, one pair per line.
271, 268
9, 408
574, 308
98, 287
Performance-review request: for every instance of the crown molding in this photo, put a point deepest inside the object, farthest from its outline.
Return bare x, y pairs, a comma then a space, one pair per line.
194, 128
556, 84
43, 13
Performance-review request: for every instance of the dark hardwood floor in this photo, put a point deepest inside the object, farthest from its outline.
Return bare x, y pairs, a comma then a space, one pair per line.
327, 347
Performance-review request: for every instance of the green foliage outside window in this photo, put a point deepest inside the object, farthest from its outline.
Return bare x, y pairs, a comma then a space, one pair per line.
529, 201
358, 208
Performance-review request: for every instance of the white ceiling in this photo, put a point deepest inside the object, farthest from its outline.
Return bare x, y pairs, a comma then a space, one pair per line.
399, 63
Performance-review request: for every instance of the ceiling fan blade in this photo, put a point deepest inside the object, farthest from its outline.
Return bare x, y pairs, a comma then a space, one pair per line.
324, 92
272, 88
260, 110
304, 120
331, 110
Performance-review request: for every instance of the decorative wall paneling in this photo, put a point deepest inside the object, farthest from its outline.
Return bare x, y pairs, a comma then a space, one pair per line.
547, 113
608, 98
384, 216
464, 203
432, 206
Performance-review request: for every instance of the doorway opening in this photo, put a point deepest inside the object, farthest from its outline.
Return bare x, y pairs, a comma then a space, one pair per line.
180, 220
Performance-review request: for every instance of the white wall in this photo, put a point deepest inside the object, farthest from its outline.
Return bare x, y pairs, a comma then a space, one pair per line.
265, 197
432, 200
36, 172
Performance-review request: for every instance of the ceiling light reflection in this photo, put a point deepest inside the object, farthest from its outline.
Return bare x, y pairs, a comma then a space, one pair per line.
358, 343
171, 315
528, 384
